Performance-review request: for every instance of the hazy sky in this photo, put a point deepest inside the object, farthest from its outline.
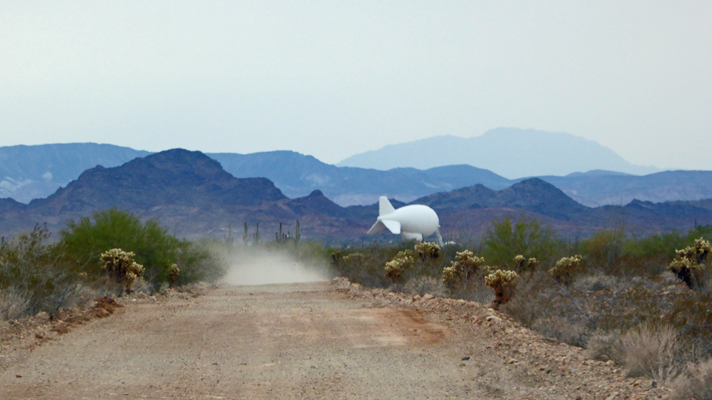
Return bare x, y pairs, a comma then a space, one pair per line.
335, 78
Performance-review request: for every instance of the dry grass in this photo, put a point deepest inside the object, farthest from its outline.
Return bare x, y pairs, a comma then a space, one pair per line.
554, 310
696, 384
425, 285
604, 346
651, 350
13, 304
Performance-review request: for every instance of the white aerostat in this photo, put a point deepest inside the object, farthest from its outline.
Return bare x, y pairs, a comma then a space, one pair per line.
411, 222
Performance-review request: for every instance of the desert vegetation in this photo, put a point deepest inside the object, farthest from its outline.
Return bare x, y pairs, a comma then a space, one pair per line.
643, 302
110, 253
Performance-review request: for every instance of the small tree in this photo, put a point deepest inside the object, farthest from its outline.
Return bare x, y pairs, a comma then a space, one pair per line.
522, 236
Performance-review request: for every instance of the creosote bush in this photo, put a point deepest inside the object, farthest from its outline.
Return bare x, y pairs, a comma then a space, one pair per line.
566, 269
503, 283
35, 277
522, 235
121, 267
688, 264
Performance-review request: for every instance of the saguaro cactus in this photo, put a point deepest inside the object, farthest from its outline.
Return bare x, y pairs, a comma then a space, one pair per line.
246, 237
297, 235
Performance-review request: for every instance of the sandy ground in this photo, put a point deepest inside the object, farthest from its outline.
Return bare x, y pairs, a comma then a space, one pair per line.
328, 340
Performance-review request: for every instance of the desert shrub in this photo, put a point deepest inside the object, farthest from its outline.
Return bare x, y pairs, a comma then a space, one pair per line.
695, 384
521, 236
605, 346
688, 264
35, 277
553, 310
121, 267
503, 283
651, 350
423, 285
566, 269
364, 267
666, 243
604, 247
595, 283
84, 240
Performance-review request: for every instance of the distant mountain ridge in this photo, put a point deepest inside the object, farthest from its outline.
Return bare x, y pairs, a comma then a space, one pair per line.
510, 152
193, 196
31, 172
297, 175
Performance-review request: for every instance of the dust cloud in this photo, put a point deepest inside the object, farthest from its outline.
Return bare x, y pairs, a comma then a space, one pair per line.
262, 268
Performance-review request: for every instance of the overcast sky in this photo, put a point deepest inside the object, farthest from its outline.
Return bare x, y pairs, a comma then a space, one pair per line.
336, 78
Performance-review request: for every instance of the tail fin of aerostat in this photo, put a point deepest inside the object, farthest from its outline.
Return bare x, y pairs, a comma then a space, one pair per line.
384, 208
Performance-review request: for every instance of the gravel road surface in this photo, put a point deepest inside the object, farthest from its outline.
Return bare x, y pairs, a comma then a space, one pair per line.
292, 341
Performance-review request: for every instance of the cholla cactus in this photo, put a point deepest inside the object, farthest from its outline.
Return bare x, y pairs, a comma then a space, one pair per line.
173, 273
402, 261
504, 283
566, 269
519, 261
121, 267
688, 262
466, 266
337, 258
427, 250
533, 263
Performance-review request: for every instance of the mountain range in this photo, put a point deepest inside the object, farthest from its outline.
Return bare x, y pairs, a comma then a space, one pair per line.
509, 152
193, 196
31, 172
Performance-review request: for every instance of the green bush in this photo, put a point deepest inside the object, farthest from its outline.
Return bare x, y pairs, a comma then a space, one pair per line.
522, 236
85, 240
34, 277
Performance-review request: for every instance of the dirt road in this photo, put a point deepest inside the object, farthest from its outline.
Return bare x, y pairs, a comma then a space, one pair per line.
300, 341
